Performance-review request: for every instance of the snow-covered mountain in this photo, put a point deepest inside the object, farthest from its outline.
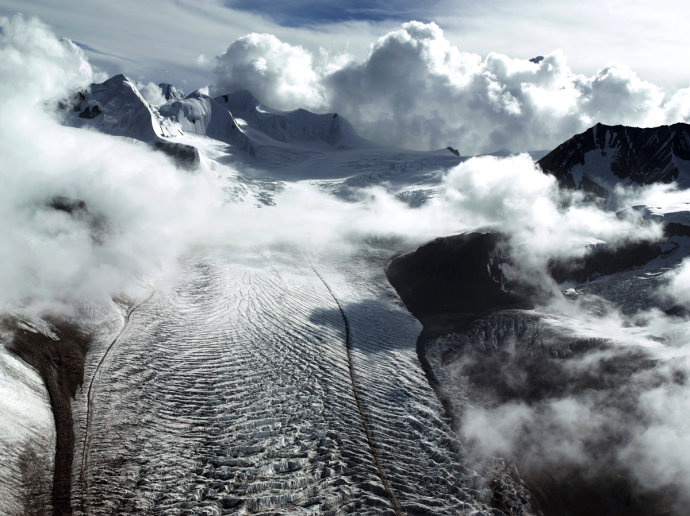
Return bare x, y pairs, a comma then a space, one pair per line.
300, 127
255, 134
604, 156
200, 115
117, 107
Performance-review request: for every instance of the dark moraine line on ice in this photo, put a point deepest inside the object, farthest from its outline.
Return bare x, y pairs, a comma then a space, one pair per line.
61, 366
84, 455
360, 407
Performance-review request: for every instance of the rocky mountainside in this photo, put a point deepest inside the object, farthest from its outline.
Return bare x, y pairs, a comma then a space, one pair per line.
605, 155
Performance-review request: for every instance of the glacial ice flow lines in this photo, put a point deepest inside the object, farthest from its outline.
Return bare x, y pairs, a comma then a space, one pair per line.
85, 445
360, 406
243, 387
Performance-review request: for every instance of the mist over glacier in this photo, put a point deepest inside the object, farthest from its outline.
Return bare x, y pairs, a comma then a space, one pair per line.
155, 213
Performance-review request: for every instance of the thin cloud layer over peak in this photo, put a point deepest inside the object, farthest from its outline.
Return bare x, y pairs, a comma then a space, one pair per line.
417, 90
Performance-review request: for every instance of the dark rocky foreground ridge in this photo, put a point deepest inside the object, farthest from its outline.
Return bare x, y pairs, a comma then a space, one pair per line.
609, 154
59, 359
480, 348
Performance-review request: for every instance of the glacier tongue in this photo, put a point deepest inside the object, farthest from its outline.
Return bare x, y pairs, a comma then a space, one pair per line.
243, 389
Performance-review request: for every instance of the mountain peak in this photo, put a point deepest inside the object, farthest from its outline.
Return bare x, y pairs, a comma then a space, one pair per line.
607, 155
241, 100
116, 107
170, 92
120, 78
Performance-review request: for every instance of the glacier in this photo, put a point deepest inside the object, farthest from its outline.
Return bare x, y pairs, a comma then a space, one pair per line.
287, 377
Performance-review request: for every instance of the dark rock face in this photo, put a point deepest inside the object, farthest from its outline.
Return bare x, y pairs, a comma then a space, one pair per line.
61, 365
90, 112
676, 229
641, 155
186, 156
603, 260
81, 212
457, 275
68, 205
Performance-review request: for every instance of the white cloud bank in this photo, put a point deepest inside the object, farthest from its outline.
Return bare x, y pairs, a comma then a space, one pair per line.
140, 205
417, 90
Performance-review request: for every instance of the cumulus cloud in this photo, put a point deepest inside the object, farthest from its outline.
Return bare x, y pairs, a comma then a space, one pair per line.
571, 424
417, 90
280, 74
152, 93
511, 195
36, 66
657, 454
678, 106
542, 222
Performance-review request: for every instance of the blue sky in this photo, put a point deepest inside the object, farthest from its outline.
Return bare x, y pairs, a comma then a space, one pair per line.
303, 13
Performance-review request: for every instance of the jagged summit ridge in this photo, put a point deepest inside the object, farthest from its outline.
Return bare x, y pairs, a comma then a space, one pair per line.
200, 115
116, 107
606, 155
237, 128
